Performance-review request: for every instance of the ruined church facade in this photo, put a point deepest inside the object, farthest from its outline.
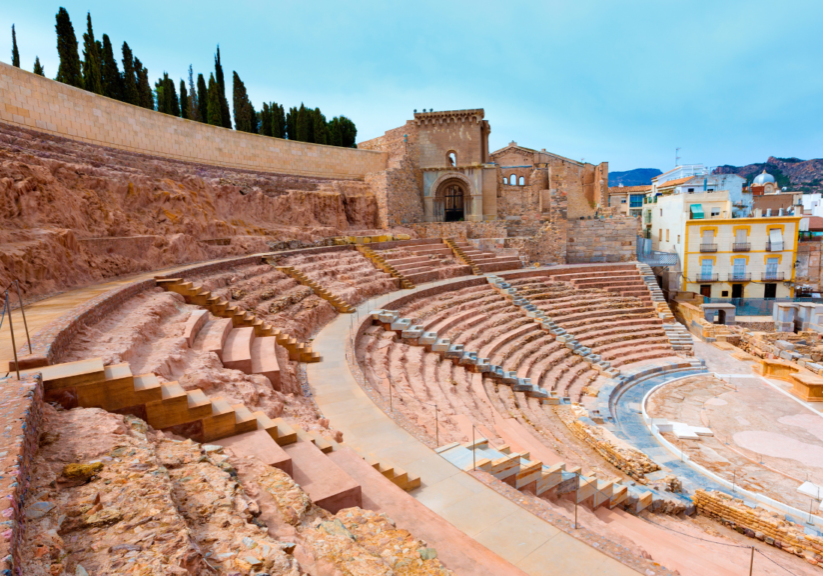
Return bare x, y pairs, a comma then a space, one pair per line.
441, 170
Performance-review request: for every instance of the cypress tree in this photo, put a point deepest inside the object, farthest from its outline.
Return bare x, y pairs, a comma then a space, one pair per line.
15, 54
69, 71
194, 108
112, 80
221, 84
130, 93
145, 95
184, 101
38, 68
158, 96
215, 117
265, 120
335, 137
279, 122
291, 123
203, 99
319, 127
305, 124
348, 132
172, 90
240, 102
92, 79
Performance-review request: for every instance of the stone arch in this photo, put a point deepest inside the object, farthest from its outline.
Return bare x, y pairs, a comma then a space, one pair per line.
452, 197
451, 158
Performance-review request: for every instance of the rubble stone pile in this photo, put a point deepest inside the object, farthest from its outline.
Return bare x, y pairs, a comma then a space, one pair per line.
769, 527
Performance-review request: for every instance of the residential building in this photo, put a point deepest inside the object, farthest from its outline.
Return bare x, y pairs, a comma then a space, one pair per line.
628, 199
695, 178
720, 255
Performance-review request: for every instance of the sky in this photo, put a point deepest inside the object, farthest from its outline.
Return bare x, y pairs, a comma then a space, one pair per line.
622, 81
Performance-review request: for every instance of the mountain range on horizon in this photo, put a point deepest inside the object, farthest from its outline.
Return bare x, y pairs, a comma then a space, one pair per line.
793, 174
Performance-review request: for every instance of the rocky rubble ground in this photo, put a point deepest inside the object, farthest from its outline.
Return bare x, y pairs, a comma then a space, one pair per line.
110, 495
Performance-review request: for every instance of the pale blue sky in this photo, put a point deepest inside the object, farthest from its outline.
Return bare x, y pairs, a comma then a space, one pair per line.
730, 82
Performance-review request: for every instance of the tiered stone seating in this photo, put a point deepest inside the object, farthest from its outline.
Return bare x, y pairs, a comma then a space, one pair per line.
380, 263
486, 262
196, 295
421, 261
620, 329
343, 277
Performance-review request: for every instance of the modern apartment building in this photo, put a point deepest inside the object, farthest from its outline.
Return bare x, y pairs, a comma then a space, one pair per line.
722, 256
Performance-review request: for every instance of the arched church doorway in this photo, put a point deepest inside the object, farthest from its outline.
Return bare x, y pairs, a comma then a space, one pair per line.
451, 196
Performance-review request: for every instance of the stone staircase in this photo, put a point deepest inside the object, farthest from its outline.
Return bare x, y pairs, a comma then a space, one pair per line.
398, 476
461, 255
487, 261
534, 477
164, 406
298, 352
340, 305
679, 337
381, 264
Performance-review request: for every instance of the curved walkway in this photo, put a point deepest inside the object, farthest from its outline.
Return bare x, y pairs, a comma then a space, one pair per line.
528, 542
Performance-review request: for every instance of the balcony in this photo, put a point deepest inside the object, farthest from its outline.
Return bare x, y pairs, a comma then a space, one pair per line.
741, 247
700, 277
776, 247
773, 276
708, 247
739, 277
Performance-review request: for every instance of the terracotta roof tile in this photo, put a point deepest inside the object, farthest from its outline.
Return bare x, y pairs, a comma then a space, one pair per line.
630, 189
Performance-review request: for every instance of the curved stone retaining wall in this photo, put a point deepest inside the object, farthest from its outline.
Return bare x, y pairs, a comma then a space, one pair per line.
42, 104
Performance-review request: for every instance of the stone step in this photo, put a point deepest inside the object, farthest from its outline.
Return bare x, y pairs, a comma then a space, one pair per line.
328, 485
237, 350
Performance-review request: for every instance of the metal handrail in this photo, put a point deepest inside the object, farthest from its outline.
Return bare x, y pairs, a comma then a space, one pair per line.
705, 277
778, 276
708, 247
740, 276
741, 247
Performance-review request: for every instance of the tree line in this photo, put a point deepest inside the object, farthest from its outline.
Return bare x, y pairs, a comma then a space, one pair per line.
198, 100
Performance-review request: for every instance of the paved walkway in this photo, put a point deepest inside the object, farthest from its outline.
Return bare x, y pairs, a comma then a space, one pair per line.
528, 542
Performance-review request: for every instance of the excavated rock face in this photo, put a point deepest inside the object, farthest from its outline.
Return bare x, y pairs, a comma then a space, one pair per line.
111, 496
72, 213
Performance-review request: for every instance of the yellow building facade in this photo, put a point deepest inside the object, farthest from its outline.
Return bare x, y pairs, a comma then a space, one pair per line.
741, 257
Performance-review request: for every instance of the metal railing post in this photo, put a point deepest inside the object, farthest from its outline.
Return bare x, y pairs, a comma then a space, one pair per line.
23, 312
436, 426
11, 329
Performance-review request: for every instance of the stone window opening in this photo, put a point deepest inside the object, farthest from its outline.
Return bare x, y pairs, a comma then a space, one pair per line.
522, 181
451, 158
505, 179
513, 180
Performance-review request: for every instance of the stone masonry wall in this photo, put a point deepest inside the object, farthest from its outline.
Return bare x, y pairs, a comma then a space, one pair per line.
49, 106
460, 230
22, 411
601, 240
398, 189
809, 267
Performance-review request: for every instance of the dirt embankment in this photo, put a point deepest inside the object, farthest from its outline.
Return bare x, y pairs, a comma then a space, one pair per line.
74, 213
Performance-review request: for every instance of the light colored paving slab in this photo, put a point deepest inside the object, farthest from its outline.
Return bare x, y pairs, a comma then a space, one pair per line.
502, 526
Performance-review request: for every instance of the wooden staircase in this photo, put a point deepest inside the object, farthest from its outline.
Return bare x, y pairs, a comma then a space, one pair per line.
340, 305
164, 406
381, 264
462, 256
298, 351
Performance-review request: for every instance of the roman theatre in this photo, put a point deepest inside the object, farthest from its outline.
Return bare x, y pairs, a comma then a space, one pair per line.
238, 354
